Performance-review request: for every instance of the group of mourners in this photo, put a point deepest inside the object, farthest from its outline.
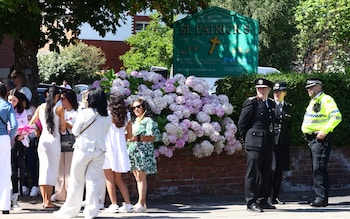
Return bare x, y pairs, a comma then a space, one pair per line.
111, 138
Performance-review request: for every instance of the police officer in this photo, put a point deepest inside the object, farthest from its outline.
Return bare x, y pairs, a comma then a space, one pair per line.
282, 127
255, 125
321, 117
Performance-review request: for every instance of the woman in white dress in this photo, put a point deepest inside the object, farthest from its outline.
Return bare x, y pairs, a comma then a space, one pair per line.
117, 158
91, 127
70, 104
52, 120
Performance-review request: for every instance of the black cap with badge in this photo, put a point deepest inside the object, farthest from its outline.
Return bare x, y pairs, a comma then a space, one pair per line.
280, 86
262, 82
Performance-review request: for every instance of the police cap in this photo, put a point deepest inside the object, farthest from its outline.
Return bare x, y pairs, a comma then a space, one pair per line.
310, 82
280, 85
262, 82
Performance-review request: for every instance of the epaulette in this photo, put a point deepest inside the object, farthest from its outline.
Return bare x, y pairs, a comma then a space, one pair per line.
288, 104
251, 98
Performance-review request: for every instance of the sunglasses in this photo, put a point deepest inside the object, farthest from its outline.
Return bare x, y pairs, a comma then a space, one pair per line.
14, 77
138, 107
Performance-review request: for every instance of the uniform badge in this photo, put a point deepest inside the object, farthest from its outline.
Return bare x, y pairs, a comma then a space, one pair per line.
316, 107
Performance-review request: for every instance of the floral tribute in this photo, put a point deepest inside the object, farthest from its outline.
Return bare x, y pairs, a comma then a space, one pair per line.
187, 115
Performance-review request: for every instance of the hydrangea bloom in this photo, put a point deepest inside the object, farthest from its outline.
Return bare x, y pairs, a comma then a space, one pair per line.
187, 115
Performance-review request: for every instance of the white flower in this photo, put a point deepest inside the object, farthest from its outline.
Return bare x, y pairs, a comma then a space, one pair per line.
202, 117
190, 114
204, 149
228, 108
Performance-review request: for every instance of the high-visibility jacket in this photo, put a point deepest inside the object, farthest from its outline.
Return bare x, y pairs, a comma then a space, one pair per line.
322, 114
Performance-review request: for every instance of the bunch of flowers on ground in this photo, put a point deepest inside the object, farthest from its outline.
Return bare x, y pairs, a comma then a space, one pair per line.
187, 115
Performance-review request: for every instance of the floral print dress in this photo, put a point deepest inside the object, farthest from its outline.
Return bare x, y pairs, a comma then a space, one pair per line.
141, 154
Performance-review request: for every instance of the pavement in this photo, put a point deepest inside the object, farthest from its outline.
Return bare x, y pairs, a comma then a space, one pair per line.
210, 206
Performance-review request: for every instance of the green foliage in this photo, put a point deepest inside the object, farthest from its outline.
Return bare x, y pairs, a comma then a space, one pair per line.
32, 24
276, 28
76, 64
150, 47
22, 19
336, 85
324, 32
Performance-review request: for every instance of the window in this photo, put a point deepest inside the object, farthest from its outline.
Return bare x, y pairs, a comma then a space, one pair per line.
140, 25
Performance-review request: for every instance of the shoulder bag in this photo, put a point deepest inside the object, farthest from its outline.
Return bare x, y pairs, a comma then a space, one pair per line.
67, 142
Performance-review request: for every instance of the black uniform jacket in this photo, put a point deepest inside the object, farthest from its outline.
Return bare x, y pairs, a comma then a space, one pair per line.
283, 127
256, 122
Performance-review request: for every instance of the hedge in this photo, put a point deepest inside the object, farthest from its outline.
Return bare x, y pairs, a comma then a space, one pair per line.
238, 88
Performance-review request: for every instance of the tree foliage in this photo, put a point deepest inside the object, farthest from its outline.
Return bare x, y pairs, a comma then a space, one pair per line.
151, 47
324, 38
33, 23
77, 64
276, 28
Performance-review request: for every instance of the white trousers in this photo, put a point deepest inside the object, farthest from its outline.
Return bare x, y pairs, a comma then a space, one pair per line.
86, 169
5, 173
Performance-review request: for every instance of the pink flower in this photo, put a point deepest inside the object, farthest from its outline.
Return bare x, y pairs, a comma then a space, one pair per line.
184, 108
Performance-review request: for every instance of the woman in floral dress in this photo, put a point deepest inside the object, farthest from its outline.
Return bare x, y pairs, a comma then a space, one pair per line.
141, 148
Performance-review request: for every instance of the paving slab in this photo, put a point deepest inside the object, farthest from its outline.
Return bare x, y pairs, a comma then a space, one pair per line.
211, 206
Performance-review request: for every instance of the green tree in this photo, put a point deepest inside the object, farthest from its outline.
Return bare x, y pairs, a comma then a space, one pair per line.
152, 46
324, 38
76, 63
33, 23
276, 28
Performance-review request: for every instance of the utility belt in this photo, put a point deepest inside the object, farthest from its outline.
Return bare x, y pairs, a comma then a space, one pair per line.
310, 137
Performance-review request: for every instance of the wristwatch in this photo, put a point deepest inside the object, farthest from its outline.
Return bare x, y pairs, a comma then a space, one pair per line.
138, 137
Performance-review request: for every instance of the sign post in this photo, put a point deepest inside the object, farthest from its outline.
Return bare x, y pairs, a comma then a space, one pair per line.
215, 43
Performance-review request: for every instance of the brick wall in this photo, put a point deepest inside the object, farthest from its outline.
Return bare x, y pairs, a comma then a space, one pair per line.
112, 50
224, 175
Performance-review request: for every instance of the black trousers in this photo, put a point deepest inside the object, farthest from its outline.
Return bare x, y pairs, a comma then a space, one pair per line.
258, 176
18, 165
320, 152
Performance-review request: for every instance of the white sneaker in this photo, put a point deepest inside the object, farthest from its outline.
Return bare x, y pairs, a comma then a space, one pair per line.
34, 191
53, 198
25, 190
101, 206
16, 207
14, 204
128, 208
139, 208
112, 209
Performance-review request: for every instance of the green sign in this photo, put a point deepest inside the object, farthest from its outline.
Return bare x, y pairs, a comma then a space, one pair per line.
215, 43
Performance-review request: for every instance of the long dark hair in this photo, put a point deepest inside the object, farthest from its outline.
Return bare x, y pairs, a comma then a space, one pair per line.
146, 107
19, 107
71, 96
50, 103
97, 99
118, 110
3, 90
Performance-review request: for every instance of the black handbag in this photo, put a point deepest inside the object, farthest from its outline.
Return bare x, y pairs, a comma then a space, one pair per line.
67, 142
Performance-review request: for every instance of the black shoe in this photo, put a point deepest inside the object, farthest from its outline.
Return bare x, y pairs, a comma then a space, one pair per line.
267, 206
319, 203
254, 207
5, 212
276, 201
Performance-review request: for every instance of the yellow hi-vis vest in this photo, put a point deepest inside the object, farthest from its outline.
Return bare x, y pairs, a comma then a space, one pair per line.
325, 120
